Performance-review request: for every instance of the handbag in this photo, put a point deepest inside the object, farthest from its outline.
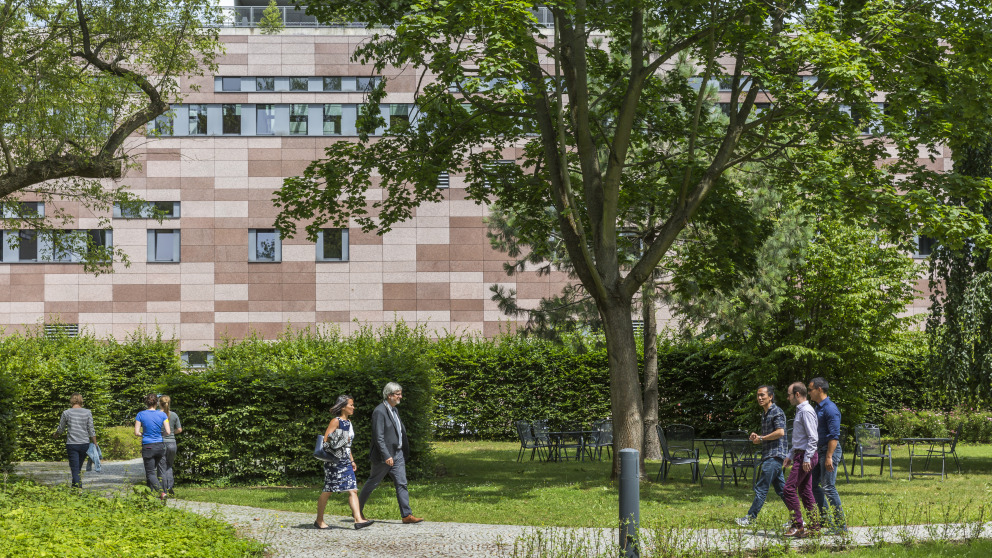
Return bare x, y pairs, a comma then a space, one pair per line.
319, 452
338, 444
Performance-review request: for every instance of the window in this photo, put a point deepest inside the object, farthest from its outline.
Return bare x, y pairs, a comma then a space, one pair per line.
197, 359
299, 84
332, 245
366, 83
497, 172
27, 246
265, 84
232, 119
399, 116
230, 84
28, 210
924, 246
197, 120
99, 239
147, 210
265, 120
332, 84
163, 245
332, 120
298, 115
265, 245
443, 180
70, 245
162, 126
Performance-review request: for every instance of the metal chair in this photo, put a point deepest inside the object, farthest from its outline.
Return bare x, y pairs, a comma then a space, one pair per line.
840, 442
738, 453
942, 453
681, 439
868, 443
604, 440
667, 459
540, 429
528, 442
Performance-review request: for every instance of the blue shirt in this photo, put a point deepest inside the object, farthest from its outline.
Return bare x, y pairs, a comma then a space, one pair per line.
827, 423
151, 423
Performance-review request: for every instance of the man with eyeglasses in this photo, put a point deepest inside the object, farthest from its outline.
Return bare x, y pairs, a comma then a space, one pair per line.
799, 486
774, 451
829, 455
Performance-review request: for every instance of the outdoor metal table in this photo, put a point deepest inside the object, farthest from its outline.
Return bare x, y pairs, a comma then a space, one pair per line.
710, 445
931, 443
582, 439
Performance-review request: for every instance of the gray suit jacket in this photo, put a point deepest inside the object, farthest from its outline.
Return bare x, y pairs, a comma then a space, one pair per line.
385, 443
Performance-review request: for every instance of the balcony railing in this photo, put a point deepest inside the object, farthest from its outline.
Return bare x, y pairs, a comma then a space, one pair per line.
250, 16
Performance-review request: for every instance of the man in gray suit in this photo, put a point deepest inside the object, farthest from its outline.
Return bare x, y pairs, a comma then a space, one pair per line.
389, 449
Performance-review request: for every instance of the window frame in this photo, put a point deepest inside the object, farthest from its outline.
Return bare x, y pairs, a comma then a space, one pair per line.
253, 253
153, 245
321, 254
225, 118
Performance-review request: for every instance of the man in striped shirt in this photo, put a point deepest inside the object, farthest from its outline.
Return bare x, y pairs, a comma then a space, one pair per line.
774, 451
804, 455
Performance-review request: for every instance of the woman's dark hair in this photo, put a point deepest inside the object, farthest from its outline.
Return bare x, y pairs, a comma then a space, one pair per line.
151, 400
341, 403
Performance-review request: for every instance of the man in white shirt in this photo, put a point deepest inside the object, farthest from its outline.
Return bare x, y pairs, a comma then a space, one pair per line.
799, 486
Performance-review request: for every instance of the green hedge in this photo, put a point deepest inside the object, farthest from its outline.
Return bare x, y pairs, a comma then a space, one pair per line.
8, 419
255, 415
975, 425
134, 368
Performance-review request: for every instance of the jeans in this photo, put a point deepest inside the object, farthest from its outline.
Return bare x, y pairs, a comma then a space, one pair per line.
800, 487
168, 480
770, 473
379, 472
77, 455
153, 456
825, 489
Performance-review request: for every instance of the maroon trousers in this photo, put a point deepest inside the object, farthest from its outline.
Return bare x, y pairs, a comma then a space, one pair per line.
798, 486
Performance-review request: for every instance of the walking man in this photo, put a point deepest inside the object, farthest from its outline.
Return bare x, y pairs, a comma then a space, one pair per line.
389, 449
829, 454
774, 451
803, 461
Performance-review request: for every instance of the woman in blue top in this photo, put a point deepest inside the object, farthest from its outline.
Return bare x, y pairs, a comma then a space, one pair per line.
149, 425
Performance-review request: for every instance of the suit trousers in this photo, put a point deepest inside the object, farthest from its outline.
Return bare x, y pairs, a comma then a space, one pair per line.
398, 474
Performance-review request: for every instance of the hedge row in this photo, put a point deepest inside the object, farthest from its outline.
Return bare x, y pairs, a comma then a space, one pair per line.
8, 420
255, 415
974, 425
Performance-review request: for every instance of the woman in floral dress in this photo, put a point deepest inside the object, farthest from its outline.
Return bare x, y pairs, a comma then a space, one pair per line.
339, 475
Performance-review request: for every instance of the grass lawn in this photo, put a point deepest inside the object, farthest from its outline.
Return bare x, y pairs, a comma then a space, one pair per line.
973, 549
484, 484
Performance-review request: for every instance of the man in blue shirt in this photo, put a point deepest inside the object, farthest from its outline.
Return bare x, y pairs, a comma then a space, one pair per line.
774, 451
828, 444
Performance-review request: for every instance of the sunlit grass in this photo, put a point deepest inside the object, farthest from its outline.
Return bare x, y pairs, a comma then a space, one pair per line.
484, 484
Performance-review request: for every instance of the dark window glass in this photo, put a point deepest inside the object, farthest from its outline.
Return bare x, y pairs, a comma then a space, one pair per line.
366, 83
197, 120
230, 84
926, 245
265, 84
332, 245
27, 247
332, 84
298, 116
232, 119
299, 84
332, 120
399, 116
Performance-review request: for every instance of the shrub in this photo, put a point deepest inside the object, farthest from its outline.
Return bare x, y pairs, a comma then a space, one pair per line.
254, 416
118, 443
134, 368
8, 420
974, 425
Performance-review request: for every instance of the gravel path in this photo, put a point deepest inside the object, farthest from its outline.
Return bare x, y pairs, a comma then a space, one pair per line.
292, 534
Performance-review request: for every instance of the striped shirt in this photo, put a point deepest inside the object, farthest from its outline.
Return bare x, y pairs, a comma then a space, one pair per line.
772, 420
79, 423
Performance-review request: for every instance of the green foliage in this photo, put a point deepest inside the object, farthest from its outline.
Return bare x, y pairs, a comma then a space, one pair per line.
975, 425
118, 443
58, 521
134, 366
271, 22
8, 419
254, 416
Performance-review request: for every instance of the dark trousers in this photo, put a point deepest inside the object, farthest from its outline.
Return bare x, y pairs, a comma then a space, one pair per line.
168, 480
398, 474
153, 456
798, 487
77, 455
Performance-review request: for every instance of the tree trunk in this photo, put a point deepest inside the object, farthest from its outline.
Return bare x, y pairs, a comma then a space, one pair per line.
625, 385
652, 447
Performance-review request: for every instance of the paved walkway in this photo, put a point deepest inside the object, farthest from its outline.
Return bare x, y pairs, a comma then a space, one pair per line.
292, 534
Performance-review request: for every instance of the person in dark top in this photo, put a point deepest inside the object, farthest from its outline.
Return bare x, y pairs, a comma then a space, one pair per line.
828, 445
149, 425
169, 480
77, 422
774, 451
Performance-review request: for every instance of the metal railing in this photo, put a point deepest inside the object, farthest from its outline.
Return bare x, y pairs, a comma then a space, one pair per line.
250, 16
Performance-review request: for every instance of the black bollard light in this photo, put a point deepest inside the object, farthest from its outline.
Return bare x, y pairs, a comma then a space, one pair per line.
630, 501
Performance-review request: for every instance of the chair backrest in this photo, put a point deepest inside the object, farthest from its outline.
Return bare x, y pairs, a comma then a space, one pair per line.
869, 439
788, 437
524, 431
954, 442
843, 436
605, 429
735, 442
680, 435
663, 442
540, 428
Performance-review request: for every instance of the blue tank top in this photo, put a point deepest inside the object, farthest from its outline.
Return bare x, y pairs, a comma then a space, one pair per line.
152, 422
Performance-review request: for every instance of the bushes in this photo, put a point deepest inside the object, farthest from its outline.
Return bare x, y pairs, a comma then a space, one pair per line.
8, 420
255, 415
134, 367
974, 425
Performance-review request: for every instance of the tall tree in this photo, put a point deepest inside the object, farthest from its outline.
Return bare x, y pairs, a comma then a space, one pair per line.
78, 78
593, 104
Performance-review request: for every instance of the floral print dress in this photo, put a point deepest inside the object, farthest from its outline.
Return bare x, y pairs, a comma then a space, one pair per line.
339, 476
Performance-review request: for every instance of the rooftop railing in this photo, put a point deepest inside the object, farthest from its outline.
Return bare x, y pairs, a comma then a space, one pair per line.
250, 16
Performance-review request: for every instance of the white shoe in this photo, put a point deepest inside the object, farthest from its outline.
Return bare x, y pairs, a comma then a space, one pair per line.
743, 521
